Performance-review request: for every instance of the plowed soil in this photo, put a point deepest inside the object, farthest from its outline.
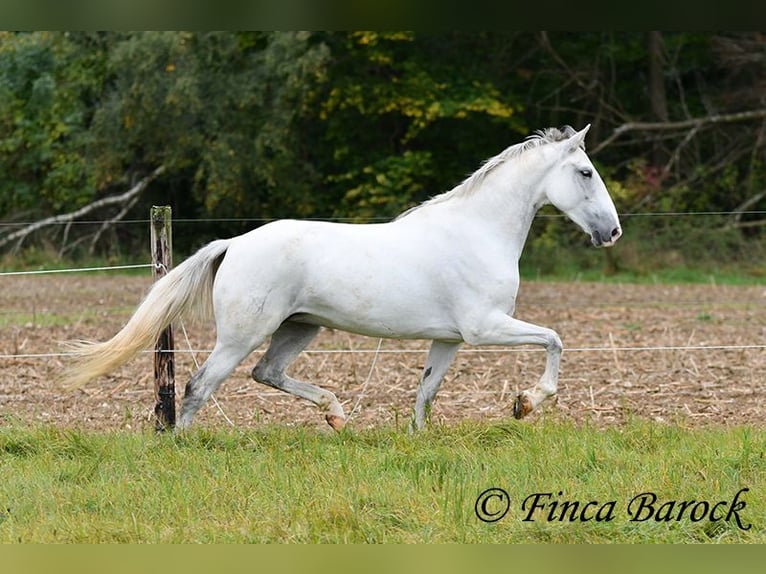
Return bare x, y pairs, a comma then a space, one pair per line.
684, 354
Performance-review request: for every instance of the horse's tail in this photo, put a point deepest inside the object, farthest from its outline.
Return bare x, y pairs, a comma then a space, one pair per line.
186, 288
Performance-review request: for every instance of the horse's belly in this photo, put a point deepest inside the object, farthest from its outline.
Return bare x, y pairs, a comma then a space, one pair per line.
386, 330
391, 317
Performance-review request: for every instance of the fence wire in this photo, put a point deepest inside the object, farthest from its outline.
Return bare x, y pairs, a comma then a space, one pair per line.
471, 350
501, 349
12, 224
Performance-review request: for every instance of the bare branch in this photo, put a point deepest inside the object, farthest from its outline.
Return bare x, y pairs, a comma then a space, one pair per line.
675, 157
111, 221
122, 199
739, 211
749, 224
679, 125
589, 88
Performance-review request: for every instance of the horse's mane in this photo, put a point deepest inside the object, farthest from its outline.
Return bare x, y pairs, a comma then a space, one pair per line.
474, 181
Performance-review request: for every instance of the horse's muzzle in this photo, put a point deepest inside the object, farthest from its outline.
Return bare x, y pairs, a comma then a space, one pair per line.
601, 239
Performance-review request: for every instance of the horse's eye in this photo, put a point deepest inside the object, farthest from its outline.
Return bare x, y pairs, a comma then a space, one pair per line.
586, 172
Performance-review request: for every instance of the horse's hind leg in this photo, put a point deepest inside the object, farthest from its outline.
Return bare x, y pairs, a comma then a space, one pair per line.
287, 342
219, 365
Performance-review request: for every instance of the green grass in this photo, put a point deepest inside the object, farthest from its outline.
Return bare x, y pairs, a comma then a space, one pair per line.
669, 276
591, 265
36, 258
283, 484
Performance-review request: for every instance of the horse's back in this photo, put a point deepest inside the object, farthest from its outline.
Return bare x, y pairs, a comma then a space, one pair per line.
376, 279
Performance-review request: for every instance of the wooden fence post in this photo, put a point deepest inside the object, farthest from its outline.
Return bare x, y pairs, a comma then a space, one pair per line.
164, 366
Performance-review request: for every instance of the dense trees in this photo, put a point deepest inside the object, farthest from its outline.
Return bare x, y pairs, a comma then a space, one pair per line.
362, 124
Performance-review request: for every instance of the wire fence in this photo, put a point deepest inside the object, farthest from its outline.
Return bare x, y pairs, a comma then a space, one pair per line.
77, 270
502, 349
181, 220
472, 350
255, 220
611, 349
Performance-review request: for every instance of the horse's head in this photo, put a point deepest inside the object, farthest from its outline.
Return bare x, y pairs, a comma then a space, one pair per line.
574, 186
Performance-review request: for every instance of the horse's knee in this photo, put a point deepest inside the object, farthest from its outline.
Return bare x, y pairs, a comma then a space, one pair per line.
554, 344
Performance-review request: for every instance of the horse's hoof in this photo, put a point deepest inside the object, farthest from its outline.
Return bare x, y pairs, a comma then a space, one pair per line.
336, 422
522, 406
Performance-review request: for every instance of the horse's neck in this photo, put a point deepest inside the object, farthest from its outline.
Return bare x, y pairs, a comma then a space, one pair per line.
506, 201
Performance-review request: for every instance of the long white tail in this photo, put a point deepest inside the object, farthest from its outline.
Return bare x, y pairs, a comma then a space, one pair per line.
186, 288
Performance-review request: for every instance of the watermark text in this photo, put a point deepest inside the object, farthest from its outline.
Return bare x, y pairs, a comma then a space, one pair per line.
494, 504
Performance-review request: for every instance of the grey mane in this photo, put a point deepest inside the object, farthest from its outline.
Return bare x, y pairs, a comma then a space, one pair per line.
474, 181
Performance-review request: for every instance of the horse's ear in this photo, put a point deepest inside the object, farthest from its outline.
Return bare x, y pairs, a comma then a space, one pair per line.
576, 141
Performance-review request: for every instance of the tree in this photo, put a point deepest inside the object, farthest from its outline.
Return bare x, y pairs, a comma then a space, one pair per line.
675, 115
405, 117
215, 112
362, 124
217, 109
43, 123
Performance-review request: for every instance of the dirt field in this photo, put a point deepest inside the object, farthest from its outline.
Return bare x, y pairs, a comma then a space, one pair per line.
601, 382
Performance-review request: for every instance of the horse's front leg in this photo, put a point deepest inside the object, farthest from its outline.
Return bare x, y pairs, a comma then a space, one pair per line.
501, 329
439, 358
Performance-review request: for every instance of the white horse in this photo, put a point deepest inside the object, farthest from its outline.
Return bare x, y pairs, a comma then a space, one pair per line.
446, 270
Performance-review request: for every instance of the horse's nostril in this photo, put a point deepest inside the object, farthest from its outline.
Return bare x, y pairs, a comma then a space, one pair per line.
616, 232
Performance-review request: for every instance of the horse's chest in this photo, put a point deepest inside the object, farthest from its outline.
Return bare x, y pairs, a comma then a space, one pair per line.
489, 285
502, 293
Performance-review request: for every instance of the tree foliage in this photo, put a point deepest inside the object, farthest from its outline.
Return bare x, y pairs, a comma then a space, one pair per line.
402, 116
362, 125
43, 124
